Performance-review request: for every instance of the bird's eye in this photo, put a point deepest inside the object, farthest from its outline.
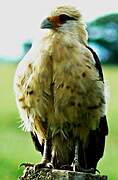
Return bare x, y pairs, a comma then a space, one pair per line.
63, 18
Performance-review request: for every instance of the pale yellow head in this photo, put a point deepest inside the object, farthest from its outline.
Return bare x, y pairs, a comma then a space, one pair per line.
66, 19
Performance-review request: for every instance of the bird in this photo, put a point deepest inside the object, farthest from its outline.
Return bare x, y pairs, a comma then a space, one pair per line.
60, 94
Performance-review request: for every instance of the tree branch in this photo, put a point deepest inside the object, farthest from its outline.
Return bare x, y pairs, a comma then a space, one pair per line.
54, 174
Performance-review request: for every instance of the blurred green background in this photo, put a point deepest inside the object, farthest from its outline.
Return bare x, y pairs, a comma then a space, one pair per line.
16, 146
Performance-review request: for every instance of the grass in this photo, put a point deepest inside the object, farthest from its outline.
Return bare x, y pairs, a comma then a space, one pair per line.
16, 146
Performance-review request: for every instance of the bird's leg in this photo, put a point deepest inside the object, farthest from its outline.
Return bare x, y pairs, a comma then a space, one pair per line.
45, 162
75, 165
47, 152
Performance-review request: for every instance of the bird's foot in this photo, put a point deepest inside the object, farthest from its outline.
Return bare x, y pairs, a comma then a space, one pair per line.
75, 166
44, 164
37, 167
30, 169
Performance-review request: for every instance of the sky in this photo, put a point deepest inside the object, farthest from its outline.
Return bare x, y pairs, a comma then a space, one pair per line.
20, 19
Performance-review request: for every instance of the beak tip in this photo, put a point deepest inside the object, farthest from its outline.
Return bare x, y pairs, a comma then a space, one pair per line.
46, 24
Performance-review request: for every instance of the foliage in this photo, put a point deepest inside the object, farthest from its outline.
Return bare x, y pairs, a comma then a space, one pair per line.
103, 36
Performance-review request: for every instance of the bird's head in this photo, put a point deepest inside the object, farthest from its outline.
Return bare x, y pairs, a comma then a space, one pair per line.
66, 19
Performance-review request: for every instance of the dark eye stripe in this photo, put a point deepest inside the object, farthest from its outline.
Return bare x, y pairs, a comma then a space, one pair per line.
63, 18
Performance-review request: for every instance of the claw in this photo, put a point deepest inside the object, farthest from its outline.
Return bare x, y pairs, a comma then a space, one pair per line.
39, 166
26, 165
96, 170
75, 166
50, 165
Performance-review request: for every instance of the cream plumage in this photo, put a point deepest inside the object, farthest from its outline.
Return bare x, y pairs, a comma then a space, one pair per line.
60, 92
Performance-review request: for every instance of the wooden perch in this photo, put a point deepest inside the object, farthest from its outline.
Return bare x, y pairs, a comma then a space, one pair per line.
54, 174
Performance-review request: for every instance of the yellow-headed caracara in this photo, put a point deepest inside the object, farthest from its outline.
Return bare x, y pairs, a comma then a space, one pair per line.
60, 94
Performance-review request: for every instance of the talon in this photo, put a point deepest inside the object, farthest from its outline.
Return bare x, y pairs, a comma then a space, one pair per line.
26, 165
96, 170
75, 165
41, 165
50, 165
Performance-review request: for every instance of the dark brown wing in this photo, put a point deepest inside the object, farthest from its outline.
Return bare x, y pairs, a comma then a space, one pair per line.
36, 142
96, 144
98, 64
96, 141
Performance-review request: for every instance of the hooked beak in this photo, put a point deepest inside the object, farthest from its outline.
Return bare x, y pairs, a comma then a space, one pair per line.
46, 24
